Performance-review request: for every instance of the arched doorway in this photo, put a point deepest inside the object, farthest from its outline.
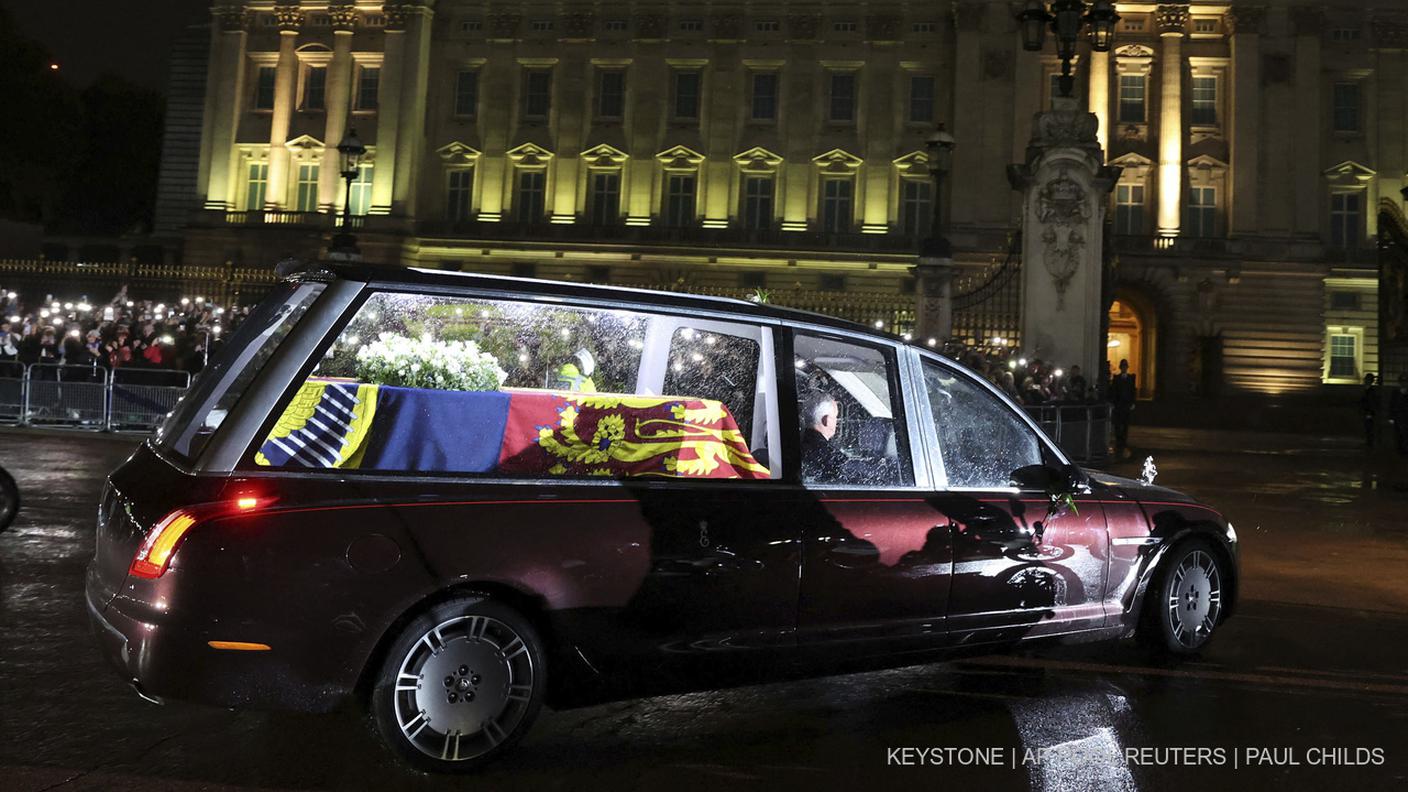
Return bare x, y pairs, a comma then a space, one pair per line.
1132, 336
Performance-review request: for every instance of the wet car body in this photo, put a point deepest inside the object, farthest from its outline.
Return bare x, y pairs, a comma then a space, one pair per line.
293, 603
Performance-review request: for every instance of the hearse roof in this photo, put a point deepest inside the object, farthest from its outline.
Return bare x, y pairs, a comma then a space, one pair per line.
389, 274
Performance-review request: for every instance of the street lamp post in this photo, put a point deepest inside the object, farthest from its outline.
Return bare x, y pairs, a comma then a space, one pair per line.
351, 151
1066, 18
940, 145
934, 270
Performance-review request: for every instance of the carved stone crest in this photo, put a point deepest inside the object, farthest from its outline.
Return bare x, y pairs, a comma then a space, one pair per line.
1066, 127
1061, 254
1062, 202
1247, 18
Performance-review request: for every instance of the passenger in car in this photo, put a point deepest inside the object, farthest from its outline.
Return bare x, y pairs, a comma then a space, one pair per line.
821, 460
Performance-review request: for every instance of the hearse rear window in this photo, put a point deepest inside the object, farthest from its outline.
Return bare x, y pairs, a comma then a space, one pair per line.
432, 384
189, 427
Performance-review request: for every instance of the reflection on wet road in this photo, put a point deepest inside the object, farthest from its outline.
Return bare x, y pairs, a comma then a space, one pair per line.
1316, 661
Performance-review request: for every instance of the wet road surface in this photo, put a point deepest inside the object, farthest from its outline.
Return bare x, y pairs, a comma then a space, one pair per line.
1313, 668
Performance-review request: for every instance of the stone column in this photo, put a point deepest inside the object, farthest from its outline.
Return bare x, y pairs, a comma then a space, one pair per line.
338, 103
1099, 96
1309, 24
414, 83
1245, 105
290, 19
1065, 188
1172, 22
218, 182
388, 116
970, 115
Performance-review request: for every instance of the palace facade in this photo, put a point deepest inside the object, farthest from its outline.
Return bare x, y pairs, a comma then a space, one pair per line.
730, 147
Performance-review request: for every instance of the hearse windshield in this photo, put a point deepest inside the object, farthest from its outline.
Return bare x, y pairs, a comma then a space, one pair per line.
189, 427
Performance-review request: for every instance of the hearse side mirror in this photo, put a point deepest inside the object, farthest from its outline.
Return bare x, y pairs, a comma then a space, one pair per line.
1051, 479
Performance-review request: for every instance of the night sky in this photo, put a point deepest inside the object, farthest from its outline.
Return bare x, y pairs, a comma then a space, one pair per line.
127, 37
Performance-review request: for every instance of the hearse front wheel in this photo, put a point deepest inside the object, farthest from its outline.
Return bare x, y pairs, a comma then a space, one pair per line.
460, 685
1185, 605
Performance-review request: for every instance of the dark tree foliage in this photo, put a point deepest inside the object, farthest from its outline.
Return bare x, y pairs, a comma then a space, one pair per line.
76, 162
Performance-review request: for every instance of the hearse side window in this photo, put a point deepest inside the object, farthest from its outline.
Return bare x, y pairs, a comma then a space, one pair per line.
851, 416
421, 383
189, 427
981, 440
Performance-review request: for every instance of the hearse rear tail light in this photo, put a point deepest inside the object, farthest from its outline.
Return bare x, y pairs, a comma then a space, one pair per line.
154, 556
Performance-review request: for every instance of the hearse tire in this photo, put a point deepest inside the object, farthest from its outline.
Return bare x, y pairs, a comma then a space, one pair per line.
1183, 606
459, 686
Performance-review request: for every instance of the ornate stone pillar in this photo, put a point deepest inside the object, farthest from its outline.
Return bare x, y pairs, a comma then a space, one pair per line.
338, 103
934, 289
1065, 188
1172, 21
1245, 104
217, 181
290, 19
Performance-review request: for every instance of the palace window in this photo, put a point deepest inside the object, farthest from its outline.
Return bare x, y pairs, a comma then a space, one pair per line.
842, 97
315, 88
691, 25
611, 93
1129, 209
922, 27
916, 212
764, 96
843, 27
1204, 101
767, 26
686, 95
467, 93
530, 202
921, 99
604, 201
541, 25
361, 194
471, 25
1132, 93
1201, 218
1346, 219
615, 25
255, 185
1346, 112
680, 189
1344, 356
368, 88
837, 204
306, 199
459, 194
264, 83
537, 93
758, 202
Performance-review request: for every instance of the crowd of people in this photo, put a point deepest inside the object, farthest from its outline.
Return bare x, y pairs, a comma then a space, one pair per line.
119, 333
1029, 381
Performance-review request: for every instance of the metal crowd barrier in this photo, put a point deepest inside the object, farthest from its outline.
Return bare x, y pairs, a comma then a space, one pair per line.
88, 397
1081, 430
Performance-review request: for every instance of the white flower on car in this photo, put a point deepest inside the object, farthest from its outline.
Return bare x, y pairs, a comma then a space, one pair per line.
394, 359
